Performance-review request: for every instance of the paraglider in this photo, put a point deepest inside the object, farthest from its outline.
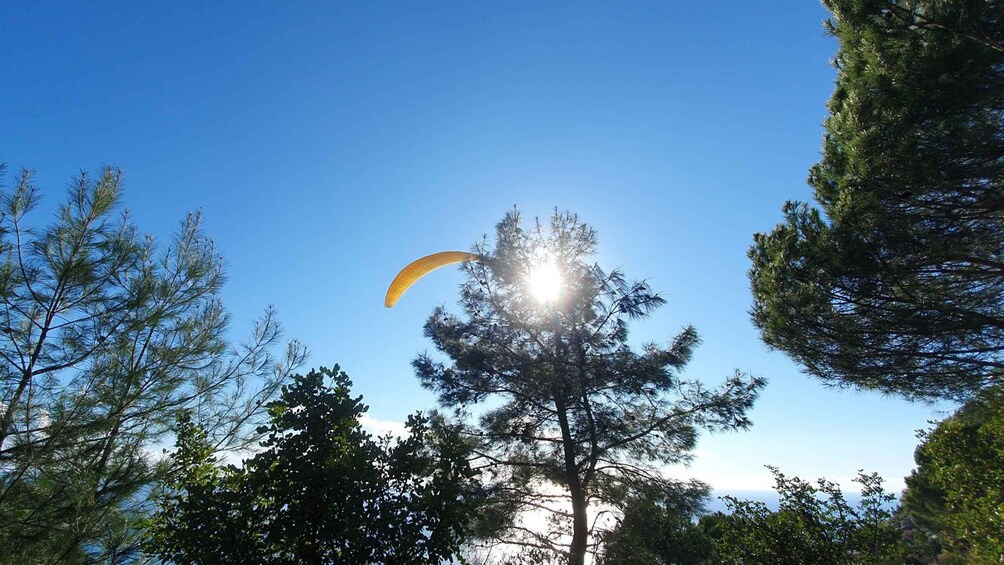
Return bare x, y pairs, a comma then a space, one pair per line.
419, 268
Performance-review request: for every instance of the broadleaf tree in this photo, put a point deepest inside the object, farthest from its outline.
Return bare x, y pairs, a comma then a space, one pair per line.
893, 282
956, 492
320, 490
656, 531
814, 524
104, 339
567, 416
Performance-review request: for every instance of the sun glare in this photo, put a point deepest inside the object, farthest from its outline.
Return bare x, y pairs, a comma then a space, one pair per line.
545, 281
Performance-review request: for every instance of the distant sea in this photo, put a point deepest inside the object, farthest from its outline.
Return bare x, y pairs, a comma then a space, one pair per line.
768, 497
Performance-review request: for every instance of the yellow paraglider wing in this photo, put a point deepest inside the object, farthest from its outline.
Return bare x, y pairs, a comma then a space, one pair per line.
419, 268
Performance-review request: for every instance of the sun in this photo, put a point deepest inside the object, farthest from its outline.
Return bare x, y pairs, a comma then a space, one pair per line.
544, 282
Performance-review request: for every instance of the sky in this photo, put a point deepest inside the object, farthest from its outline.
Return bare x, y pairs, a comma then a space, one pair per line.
329, 144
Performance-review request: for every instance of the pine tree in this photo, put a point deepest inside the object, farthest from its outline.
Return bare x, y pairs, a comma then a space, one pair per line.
894, 282
104, 340
570, 419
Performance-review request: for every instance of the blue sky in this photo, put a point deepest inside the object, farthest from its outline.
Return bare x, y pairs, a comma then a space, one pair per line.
328, 144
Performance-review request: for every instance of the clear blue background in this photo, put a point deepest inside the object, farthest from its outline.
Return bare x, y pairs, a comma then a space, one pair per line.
328, 144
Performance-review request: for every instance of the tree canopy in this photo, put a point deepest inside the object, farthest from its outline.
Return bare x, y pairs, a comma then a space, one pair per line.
813, 524
657, 531
104, 339
321, 490
570, 420
894, 281
956, 491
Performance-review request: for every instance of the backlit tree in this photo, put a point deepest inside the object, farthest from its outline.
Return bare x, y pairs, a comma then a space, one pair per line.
569, 418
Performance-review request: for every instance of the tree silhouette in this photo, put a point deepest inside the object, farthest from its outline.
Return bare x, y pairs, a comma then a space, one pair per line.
570, 417
322, 490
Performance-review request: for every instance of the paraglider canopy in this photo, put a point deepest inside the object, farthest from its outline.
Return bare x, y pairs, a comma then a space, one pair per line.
419, 268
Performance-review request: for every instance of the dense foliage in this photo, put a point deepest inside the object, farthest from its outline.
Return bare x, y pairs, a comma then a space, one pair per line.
814, 524
957, 490
321, 490
570, 416
894, 282
657, 531
104, 340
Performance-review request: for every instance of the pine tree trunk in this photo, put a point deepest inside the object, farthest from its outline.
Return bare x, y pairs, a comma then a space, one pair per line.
580, 528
